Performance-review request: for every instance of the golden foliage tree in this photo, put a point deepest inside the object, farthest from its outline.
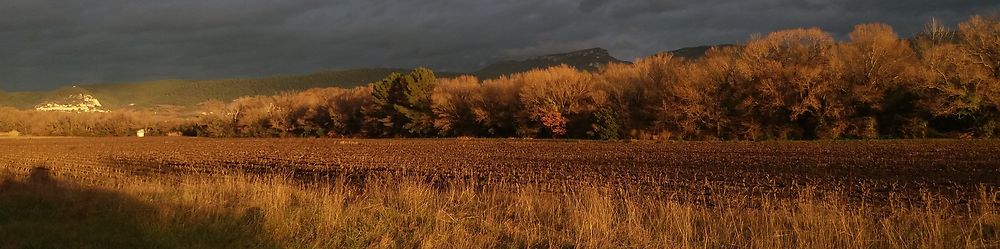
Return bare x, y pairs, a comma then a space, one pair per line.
866, 70
345, 111
559, 97
962, 79
783, 84
663, 94
455, 103
501, 113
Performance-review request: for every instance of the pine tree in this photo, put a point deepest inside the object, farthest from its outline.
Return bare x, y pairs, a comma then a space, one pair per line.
404, 103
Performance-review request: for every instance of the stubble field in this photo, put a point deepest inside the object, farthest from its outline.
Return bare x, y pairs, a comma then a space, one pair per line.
510, 193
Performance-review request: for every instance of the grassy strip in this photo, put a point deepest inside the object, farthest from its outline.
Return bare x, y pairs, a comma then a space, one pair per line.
40, 210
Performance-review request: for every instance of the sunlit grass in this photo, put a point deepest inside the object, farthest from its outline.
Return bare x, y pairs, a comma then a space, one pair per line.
239, 210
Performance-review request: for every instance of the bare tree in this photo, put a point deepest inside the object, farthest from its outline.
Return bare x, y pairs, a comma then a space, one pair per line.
783, 84
454, 103
560, 97
866, 70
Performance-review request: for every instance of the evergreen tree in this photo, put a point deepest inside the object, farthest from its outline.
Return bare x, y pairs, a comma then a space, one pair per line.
404, 104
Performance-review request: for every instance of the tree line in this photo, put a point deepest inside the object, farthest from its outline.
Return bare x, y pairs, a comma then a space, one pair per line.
118, 123
789, 84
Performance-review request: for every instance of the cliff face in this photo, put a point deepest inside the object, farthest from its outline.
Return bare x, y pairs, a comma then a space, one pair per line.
73, 103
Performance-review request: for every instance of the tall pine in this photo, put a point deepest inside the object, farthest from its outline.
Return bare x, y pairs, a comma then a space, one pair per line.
404, 103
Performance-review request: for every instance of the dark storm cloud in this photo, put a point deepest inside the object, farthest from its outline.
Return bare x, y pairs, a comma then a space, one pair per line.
46, 44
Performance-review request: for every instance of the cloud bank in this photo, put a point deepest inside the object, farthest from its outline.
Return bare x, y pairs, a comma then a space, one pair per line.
46, 44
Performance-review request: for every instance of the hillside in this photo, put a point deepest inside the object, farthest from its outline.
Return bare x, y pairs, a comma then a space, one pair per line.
191, 92
588, 59
28, 100
692, 53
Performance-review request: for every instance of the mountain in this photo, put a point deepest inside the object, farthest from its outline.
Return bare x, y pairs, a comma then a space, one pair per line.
192, 92
588, 59
184, 93
692, 53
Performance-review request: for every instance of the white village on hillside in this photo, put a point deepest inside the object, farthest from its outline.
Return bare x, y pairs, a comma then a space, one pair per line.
74, 103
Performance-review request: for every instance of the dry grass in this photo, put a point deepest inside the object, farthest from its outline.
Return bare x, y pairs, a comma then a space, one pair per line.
242, 210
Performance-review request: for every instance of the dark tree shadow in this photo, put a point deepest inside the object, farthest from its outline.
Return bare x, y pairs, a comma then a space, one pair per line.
40, 212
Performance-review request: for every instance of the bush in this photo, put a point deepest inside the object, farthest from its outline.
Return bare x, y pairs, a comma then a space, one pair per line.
607, 124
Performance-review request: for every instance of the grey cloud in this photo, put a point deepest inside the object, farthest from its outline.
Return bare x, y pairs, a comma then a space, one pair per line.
47, 43
589, 5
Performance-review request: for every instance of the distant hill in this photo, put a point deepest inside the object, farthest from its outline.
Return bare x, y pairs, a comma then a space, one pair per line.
588, 59
191, 92
692, 53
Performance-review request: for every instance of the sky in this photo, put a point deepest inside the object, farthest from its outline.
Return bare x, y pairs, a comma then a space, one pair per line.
46, 44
